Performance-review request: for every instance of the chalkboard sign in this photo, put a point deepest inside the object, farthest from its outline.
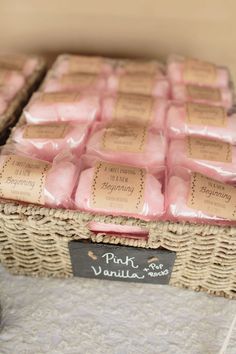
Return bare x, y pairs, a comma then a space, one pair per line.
102, 261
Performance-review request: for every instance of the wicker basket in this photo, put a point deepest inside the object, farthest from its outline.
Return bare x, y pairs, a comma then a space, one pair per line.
12, 114
34, 241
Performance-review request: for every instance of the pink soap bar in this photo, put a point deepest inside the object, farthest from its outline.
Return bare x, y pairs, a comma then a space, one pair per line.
182, 70
61, 107
129, 145
48, 140
152, 206
129, 66
177, 194
141, 84
220, 170
59, 182
202, 94
70, 64
19, 62
3, 104
136, 109
10, 83
180, 123
76, 82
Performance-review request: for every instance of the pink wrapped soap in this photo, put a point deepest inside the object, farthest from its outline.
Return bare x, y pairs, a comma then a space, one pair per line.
128, 144
129, 66
137, 109
75, 83
201, 120
25, 64
202, 94
3, 104
196, 198
215, 159
114, 189
182, 70
141, 84
31, 180
10, 83
61, 107
45, 141
71, 64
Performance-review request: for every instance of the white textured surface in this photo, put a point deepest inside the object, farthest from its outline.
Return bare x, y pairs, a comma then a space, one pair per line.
91, 316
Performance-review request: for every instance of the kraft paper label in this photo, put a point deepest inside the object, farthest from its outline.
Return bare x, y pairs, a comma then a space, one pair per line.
118, 187
203, 93
133, 109
46, 131
78, 79
200, 72
85, 64
202, 114
10, 62
139, 84
127, 138
57, 97
211, 150
133, 66
212, 197
23, 179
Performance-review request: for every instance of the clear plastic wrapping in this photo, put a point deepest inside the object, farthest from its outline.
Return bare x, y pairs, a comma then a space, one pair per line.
183, 70
128, 144
26, 64
45, 141
194, 197
71, 64
27, 179
212, 158
202, 94
136, 109
62, 107
114, 189
200, 120
10, 83
138, 83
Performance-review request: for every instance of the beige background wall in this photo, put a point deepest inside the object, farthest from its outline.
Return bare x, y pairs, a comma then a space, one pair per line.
150, 28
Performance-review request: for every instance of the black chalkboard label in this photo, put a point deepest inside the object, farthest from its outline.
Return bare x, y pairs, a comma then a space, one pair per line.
102, 261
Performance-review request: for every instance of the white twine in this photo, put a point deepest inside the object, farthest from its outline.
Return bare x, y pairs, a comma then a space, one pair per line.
227, 339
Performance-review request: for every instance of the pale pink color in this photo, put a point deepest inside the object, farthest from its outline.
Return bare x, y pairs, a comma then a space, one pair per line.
127, 231
77, 82
151, 157
129, 66
82, 64
158, 87
178, 127
157, 114
62, 107
221, 171
19, 62
152, 208
179, 93
176, 202
175, 72
3, 105
48, 148
10, 83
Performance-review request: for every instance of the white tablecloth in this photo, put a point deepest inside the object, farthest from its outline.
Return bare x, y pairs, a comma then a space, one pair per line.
92, 316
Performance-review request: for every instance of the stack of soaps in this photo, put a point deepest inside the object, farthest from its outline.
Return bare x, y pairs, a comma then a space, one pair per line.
105, 136
18, 75
202, 151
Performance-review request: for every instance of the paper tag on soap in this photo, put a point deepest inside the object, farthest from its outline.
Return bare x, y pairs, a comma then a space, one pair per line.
85, 64
203, 93
22, 178
212, 197
199, 72
125, 138
210, 150
138, 84
118, 187
202, 114
12, 62
138, 66
46, 131
57, 97
133, 109
78, 79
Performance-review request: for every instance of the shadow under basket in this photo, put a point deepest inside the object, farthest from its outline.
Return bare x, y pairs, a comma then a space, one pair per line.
34, 241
